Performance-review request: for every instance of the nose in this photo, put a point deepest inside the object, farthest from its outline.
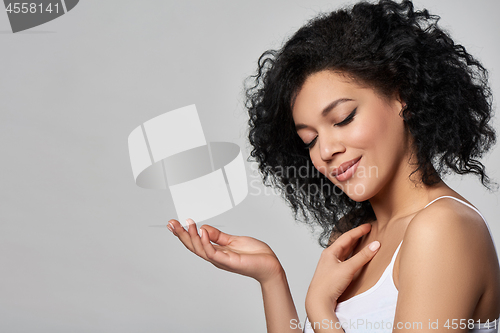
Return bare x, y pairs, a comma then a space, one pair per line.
329, 146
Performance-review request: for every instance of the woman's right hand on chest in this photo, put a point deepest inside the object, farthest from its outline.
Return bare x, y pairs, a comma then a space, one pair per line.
238, 254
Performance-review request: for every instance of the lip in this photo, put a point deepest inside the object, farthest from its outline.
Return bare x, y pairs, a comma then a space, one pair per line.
346, 169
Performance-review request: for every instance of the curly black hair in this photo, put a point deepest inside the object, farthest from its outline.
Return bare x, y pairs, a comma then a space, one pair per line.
394, 49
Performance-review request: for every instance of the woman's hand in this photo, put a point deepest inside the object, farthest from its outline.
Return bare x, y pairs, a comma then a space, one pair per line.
242, 255
334, 273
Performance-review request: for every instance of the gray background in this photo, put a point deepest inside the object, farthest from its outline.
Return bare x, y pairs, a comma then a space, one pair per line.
76, 252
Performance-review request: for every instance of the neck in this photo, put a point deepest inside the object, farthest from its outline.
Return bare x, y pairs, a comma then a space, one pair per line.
402, 197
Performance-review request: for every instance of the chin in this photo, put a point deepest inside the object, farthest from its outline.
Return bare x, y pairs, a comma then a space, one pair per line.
356, 189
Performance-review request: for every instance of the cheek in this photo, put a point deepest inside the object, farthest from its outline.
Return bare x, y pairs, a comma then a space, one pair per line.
367, 133
381, 135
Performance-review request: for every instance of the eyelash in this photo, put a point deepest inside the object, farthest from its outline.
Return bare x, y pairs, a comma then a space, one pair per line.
344, 122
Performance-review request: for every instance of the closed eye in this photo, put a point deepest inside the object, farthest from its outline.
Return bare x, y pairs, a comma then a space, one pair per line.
348, 119
310, 144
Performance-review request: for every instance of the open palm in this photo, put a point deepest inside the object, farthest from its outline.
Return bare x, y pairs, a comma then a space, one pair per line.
239, 254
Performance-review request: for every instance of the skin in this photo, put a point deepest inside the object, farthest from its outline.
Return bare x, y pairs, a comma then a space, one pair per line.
446, 268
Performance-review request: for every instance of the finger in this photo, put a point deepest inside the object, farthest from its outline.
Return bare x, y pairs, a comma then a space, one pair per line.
217, 236
182, 234
171, 227
195, 239
344, 245
363, 257
214, 255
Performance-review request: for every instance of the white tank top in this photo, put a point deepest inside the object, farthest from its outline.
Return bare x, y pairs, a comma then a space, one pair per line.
374, 310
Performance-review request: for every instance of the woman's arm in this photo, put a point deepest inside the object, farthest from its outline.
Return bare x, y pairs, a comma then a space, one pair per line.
281, 315
250, 257
333, 275
441, 276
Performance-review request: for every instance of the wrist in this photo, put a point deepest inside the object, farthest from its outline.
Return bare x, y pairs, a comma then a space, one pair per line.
322, 314
316, 295
274, 280
319, 304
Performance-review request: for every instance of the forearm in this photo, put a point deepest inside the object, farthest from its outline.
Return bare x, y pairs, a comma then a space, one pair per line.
281, 315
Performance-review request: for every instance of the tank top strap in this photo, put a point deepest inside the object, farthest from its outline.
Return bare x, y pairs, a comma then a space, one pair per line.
395, 255
457, 199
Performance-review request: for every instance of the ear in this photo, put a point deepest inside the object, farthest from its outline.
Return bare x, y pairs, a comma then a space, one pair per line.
401, 103
397, 96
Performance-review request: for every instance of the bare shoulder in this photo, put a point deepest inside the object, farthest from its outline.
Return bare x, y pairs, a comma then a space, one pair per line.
450, 236
448, 223
447, 247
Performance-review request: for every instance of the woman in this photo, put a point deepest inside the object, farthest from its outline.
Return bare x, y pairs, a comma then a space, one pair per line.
377, 103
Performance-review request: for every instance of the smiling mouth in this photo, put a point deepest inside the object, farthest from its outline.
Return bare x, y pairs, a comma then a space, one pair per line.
344, 167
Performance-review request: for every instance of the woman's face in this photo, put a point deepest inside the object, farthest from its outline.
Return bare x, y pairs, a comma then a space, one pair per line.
356, 137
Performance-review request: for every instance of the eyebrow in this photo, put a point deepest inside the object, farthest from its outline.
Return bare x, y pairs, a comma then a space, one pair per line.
326, 110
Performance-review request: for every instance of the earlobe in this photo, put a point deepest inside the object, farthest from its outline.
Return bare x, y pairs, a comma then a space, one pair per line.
403, 106
404, 113
403, 103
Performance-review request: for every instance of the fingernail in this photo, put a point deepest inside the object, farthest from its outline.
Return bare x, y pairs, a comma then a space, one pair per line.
374, 246
188, 223
169, 226
201, 232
